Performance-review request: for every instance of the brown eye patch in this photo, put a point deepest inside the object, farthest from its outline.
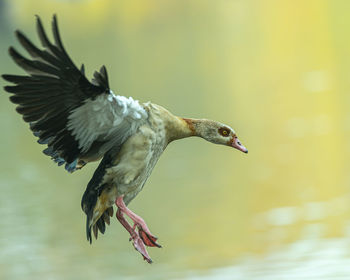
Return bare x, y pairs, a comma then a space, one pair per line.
224, 131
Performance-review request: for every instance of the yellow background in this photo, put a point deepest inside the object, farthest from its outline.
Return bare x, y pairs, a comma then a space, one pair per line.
276, 71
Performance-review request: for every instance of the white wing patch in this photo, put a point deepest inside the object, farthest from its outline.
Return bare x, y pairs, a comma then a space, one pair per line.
107, 117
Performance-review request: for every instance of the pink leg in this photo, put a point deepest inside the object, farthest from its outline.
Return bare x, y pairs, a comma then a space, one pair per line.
125, 223
138, 221
137, 241
143, 237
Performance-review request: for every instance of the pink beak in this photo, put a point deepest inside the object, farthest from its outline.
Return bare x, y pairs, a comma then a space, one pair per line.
235, 143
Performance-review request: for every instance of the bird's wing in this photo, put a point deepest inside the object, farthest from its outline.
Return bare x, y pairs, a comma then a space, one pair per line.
74, 117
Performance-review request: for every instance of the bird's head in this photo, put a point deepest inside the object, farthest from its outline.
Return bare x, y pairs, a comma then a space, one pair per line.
216, 132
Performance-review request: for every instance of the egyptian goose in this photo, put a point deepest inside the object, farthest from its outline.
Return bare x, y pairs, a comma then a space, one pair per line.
82, 121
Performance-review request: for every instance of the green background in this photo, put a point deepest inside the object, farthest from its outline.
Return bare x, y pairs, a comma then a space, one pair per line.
276, 71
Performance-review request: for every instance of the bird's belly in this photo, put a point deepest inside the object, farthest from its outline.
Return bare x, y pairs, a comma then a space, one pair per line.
135, 162
130, 191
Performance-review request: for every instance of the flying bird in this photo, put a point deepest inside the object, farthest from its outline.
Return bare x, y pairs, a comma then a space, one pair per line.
82, 121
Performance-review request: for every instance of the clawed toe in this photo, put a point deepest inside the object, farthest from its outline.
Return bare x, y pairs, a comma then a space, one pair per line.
140, 238
140, 247
148, 240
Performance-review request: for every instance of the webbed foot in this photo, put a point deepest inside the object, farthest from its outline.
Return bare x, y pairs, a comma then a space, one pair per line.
141, 237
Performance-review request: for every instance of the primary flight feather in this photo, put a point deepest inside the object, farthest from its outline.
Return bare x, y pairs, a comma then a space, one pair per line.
82, 121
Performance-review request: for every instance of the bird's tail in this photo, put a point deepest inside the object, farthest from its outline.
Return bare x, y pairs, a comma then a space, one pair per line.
95, 201
97, 224
97, 211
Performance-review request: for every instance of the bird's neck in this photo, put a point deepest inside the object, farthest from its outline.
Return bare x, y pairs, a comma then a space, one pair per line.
177, 127
186, 127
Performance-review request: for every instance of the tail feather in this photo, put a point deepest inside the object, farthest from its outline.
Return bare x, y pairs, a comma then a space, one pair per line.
95, 231
101, 225
88, 229
98, 225
105, 217
96, 199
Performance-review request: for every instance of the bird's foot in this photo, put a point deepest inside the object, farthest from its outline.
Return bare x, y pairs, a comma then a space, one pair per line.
147, 238
140, 237
139, 246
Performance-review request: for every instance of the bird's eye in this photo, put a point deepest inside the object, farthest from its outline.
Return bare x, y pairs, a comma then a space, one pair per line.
224, 131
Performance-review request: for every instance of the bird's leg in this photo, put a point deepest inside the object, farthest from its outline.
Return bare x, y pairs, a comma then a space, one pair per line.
125, 223
144, 233
137, 241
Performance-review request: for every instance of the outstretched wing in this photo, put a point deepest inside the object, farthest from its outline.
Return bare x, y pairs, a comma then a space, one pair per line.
77, 119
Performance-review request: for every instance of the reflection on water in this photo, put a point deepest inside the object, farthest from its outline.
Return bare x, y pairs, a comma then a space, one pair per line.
32, 244
306, 259
277, 72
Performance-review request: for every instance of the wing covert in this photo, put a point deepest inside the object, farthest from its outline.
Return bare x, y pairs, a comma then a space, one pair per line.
74, 117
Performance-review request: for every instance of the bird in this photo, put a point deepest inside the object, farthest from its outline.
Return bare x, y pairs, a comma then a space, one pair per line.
82, 121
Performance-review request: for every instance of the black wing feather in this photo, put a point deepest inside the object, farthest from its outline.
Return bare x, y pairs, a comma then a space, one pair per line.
35, 52
53, 88
32, 66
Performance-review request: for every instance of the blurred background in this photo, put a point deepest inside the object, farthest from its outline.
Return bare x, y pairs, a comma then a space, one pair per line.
276, 71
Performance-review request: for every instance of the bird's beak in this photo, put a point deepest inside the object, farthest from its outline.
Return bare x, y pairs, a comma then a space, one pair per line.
235, 143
